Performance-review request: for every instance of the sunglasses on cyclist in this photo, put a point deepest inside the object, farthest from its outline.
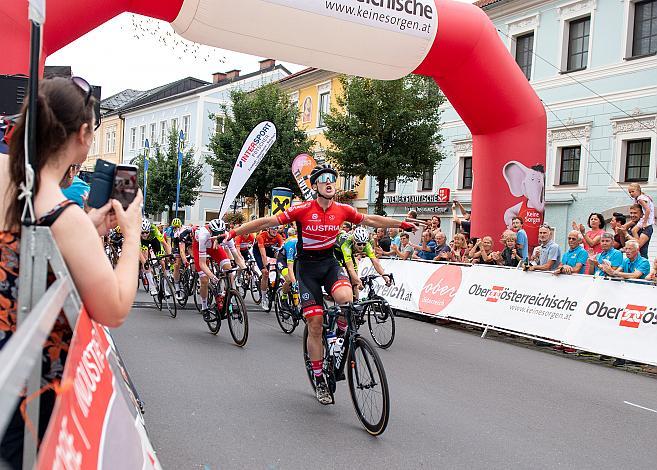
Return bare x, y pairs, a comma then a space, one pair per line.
88, 90
326, 178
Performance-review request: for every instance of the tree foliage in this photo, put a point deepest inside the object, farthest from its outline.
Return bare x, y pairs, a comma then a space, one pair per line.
162, 174
385, 129
268, 103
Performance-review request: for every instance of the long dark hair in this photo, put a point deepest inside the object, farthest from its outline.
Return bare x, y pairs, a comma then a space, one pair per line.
61, 111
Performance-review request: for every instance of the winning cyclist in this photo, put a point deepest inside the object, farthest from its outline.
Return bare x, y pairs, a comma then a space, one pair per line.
206, 245
152, 238
318, 224
351, 246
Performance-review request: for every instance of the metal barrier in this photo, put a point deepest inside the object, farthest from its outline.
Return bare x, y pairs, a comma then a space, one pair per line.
38, 309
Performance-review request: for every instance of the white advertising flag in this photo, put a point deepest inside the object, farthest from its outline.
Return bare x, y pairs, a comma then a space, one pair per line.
256, 146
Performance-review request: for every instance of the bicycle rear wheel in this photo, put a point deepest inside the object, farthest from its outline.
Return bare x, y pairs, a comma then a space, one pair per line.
381, 322
184, 296
368, 386
238, 318
144, 280
214, 325
284, 316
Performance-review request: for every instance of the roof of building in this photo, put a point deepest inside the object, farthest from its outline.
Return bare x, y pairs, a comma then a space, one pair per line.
298, 74
120, 99
163, 96
485, 3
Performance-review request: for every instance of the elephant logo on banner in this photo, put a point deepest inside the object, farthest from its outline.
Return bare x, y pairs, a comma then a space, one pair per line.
528, 183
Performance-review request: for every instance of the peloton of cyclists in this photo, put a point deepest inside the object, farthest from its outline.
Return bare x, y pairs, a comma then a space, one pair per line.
318, 224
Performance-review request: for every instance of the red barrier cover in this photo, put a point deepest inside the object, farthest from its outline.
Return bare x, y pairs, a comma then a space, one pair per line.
96, 421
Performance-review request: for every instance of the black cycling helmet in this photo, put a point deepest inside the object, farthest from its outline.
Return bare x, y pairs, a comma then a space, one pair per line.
320, 170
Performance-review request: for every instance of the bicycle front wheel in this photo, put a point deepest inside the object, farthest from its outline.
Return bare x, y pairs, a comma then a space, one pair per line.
283, 313
238, 318
157, 298
254, 287
381, 322
368, 386
169, 296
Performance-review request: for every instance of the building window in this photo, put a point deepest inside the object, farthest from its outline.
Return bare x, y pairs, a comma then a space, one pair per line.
644, 40
349, 183
174, 123
216, 182
152, 134
185, 127
569, 169
637, 161
578, 44
93, 150
466, 175
210, 215
163, 132
324, 107
427, 180
391, 186
219, 124
142, 136
524, 52
110, 140
133, 138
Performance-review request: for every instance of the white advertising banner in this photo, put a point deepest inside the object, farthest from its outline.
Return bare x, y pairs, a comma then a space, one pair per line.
256, 146
383, 39
617, 319
614, 318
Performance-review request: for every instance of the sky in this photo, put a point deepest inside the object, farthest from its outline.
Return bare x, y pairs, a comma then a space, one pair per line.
131, 51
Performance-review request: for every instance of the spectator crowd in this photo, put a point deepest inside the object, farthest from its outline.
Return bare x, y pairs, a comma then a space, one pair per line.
618, 249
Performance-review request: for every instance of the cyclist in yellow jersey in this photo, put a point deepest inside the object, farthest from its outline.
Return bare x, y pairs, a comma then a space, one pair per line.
151, 237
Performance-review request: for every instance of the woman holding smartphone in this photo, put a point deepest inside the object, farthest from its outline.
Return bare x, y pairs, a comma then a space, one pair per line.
65, 123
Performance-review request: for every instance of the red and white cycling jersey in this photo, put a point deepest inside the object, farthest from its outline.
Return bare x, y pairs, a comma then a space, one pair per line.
317, 229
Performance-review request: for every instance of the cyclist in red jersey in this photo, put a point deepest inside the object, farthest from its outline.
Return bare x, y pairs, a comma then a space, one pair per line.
264, 248
318, 225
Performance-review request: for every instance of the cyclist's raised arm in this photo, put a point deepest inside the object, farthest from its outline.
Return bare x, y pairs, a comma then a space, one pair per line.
255, 226
379, 221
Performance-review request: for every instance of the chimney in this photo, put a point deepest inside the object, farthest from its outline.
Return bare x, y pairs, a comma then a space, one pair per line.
267, 64
232, 74
218, 77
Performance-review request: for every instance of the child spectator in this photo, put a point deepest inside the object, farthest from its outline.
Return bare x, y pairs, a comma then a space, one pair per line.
521, 237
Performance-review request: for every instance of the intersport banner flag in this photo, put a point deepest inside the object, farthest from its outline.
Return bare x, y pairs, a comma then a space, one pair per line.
604, 316
256, 146
96, 422
302, 166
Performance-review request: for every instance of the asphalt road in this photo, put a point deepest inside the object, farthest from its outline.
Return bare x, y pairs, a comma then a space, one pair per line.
457, 402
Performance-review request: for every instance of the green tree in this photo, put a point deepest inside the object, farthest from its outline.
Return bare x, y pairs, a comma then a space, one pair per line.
268, 103
385, 129
162, 174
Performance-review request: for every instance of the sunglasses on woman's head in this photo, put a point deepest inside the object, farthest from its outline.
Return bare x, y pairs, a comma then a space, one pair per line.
326, 178
88, 90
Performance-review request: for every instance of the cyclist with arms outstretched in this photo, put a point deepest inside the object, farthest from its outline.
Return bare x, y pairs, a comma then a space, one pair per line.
318, 224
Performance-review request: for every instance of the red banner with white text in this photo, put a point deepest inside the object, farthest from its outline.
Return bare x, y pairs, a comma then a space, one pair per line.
96, 422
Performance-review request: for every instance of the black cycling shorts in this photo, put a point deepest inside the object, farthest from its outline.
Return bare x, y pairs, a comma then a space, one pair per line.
269, 251
312, 276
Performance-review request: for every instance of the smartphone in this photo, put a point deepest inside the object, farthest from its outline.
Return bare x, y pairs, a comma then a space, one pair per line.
125, 185
102, 184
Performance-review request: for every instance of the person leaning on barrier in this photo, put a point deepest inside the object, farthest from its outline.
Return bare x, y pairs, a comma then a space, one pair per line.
547, 254
65, 123
427, 249
510, 256
405, 250
443, 250
609, 255
574, 260
482, 251
634, 265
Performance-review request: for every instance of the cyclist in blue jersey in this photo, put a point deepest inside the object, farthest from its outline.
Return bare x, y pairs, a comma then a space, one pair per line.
285, 261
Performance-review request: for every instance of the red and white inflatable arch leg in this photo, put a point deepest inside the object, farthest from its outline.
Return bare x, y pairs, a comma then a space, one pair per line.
455, 43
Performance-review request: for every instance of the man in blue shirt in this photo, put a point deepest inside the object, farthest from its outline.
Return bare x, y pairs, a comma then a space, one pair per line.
521, 237
427, 250
634, 265
548, 253
609, 255
575, 258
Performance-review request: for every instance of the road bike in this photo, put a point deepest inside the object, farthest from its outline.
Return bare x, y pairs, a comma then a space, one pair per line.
228, 305
164, 296
274, 284
249, 281
366, 376
380, 317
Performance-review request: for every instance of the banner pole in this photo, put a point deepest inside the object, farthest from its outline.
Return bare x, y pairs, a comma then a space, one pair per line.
181, 146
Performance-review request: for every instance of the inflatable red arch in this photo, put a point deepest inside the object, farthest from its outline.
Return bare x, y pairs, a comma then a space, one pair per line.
453, 42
